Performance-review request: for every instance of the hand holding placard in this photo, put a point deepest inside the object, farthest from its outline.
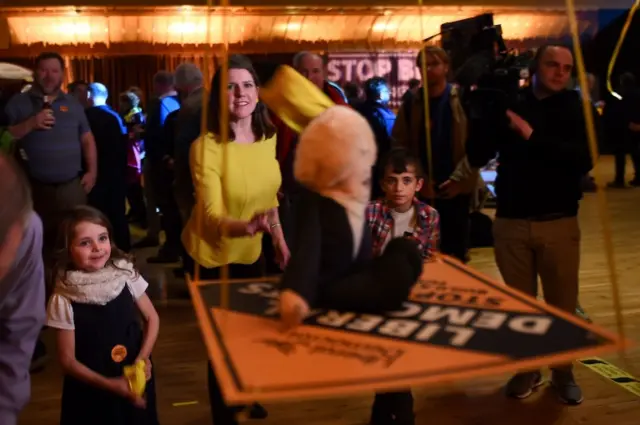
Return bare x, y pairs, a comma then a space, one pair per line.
293, 309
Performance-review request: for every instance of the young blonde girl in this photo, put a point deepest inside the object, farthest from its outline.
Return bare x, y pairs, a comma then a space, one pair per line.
95, 308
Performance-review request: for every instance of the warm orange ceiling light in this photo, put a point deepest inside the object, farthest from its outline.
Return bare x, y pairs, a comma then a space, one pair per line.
186, 26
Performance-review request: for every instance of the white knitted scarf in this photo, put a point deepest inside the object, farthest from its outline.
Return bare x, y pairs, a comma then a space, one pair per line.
97, 287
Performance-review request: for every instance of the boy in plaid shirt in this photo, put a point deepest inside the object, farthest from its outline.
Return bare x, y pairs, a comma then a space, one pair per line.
400, 214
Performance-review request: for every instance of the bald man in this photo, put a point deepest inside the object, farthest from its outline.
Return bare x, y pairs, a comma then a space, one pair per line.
312, 67
22, 289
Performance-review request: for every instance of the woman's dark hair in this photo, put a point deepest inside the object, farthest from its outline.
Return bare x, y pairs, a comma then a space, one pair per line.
67, 232
261, 124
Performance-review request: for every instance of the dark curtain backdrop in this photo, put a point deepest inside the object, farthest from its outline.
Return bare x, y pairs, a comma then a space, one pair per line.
119, 73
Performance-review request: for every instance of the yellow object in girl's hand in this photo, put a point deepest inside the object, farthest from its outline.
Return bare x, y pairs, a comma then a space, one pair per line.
135, 375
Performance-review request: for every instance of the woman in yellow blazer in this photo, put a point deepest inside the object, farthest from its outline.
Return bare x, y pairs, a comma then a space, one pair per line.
250, 183
251, 179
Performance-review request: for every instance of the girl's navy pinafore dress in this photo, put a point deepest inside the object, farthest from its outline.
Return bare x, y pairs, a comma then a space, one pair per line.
108, 337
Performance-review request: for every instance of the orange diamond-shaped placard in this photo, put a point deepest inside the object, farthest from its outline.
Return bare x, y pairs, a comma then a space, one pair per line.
457, 324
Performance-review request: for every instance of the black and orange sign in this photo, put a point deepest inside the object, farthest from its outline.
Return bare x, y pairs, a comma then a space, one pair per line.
457, 324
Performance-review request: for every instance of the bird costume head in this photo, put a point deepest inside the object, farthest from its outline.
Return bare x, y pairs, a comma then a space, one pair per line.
336, 153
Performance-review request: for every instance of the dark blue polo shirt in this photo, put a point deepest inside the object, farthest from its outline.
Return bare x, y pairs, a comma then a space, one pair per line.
55, 155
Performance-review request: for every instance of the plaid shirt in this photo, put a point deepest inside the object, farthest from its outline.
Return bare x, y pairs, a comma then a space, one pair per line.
426, 231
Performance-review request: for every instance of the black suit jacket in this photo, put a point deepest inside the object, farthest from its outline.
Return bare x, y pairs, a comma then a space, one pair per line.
108, 195
322, 265
111, 144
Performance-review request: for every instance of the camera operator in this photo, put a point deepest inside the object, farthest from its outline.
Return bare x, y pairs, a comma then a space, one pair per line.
543, 155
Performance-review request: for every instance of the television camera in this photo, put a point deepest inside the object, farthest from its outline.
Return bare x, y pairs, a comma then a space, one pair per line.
489, 75
479, 57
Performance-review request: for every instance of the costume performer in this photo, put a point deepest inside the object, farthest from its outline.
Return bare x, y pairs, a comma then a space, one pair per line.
332, 265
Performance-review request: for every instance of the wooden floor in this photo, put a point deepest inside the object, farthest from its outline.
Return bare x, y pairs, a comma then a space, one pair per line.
180, 357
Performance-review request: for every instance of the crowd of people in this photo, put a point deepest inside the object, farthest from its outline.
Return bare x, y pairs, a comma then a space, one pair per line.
75, 163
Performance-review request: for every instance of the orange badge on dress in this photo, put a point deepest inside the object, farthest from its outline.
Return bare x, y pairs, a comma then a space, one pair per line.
119, 353
64, 108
